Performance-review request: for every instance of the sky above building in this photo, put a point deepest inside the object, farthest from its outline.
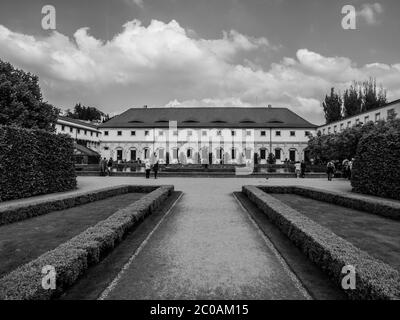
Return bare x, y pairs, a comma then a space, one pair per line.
128, 53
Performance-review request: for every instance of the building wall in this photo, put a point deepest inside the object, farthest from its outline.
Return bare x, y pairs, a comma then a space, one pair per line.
373, 115
117, 143
89, 135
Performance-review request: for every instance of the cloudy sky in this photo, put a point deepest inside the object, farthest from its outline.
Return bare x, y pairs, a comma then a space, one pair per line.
129, 53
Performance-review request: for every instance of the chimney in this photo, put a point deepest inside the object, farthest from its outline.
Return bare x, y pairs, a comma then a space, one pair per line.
269, 106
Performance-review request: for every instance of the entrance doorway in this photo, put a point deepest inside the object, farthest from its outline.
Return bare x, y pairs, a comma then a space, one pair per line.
133, 154
292, 155
119, 155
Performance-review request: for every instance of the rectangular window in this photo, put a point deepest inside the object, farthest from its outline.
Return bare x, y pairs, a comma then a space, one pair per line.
133, 133
377, 116
366, 119
119, 133
248, 133
78, 130
348, 124
175, 133
85, 132
263, 133
292, 133
341, 126
329, 130
106, 133
71, 129
323, 131
334, 129
160, 133
63, 128
391, 113
357, 121
219, 132
233, 133
97, 134
204, 133
189, 153
146, 132
307, 133
189, 133
277, 133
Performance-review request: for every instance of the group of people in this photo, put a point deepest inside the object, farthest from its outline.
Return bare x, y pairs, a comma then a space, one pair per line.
346, 168
300, 169
148, 167
106, 166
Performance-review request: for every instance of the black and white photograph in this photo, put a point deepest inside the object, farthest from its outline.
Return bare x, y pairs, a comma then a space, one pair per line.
198, 157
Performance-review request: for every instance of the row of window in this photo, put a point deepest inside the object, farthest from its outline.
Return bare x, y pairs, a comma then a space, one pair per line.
263, 133
85, 132
357, 121
219, 153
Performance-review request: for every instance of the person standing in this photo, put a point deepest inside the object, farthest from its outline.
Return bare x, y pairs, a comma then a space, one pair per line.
155, 169
297, 168
109, 165
101, 166
303, 169
147, 168
330, 170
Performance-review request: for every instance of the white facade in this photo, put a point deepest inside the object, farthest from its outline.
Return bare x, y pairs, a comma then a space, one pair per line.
371, 115
199, 145
80, 131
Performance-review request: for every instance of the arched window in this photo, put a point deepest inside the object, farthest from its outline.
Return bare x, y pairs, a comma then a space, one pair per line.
219, 153
133, 154
263, 153
278, 153
292, 154
119, 153
146, 153
161, 153
189, 153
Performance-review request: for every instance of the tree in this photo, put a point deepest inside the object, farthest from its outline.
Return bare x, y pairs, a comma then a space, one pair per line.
332, 106
271, 159
371, 98
352, 100
86, 113
21, 101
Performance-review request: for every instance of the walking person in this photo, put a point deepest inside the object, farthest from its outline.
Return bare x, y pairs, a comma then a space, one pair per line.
109, 166
330, 170
350, 168
303, 169
147, 168
101, 167
155, 169
297, 169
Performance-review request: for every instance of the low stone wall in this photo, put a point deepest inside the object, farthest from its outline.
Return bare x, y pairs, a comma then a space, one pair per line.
74, 257
18, 212
382, 207
374, 279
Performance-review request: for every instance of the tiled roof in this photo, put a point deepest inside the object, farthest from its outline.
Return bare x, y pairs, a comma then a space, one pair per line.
232, 117
78, 122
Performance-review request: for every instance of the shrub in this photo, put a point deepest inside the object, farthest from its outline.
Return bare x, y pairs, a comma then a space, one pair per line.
377, 162
375, 279
34, 162
72, 258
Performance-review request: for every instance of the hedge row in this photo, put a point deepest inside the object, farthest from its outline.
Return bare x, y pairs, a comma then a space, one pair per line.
74, 257
18, 212
382, 207
374, 279
377, 163
34, 162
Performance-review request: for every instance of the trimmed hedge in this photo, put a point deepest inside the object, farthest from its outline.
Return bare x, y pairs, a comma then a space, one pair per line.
382, 207
376, 169
34, 162
374, 279
74, 257
18, 212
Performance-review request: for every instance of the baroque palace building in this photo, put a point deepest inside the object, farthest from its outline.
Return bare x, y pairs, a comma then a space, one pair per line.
206, 135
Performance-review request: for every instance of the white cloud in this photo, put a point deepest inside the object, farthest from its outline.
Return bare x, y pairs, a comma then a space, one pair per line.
165, 62
369, 12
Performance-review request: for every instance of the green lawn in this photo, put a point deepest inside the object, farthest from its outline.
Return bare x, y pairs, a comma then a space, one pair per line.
378, 236
24, 241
